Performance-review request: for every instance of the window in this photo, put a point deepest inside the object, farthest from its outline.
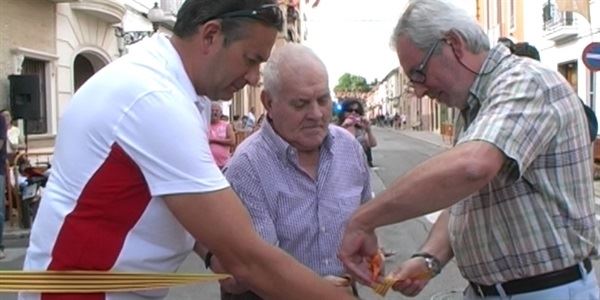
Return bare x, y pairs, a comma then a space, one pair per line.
37, 67
513, 17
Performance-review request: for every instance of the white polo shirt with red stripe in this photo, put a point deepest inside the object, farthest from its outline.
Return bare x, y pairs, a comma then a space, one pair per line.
132, 133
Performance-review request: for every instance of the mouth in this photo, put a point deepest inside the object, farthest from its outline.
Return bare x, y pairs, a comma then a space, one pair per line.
312, 127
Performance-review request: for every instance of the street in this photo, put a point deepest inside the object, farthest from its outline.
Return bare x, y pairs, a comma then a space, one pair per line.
396, 153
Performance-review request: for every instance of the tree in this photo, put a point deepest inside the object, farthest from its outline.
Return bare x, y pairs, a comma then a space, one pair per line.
352, 83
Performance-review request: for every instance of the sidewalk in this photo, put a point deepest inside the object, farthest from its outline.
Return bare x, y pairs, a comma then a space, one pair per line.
427, 136
15, 232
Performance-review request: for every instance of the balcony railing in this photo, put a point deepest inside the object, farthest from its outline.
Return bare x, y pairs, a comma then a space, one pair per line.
558, 25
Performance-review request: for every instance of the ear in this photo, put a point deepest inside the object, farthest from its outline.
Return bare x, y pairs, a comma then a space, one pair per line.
456, 43
210, 35
266, 100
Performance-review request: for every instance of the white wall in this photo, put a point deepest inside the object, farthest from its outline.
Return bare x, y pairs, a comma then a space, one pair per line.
552, 54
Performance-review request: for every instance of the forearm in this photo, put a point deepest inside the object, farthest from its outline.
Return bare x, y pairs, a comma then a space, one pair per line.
200, 250
433, 185
438, 240
225, 228
276, 275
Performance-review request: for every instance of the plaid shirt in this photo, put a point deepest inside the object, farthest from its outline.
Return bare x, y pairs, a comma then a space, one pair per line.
304, 217
537, 215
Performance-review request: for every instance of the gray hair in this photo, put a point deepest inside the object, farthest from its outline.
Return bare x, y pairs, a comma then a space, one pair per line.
426, 21
284, 61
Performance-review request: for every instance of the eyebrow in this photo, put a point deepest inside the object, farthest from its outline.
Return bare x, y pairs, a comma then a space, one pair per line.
325, 95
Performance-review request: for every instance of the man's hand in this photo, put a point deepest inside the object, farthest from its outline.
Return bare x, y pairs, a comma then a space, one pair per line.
230, 285
411, 277
357, 249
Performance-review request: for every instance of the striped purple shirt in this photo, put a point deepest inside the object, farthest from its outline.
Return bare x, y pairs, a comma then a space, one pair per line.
304, 217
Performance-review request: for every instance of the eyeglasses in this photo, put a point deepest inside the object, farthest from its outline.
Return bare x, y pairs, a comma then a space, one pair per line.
418, 75
268, 13
355, 110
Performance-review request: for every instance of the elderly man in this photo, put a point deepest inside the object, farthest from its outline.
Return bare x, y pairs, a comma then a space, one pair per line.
300, 176
134, 186
518, 182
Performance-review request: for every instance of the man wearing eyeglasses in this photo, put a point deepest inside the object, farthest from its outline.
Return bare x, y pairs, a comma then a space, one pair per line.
516, 190
134, 185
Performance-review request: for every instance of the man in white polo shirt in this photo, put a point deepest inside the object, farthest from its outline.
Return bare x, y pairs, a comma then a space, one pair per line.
134, 185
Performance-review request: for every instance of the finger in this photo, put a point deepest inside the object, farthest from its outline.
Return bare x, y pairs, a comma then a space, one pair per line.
401, 285
413, 290
358, 272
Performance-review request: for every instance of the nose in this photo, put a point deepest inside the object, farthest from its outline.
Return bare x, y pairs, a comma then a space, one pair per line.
253, 75
315, 111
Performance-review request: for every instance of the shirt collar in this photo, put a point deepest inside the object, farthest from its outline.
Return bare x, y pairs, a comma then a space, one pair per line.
494, 58
283, 149
161, 47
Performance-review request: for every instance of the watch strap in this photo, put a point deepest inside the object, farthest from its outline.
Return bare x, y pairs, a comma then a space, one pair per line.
433, 264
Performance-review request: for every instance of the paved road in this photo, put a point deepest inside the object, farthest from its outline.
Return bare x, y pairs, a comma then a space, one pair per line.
396, 153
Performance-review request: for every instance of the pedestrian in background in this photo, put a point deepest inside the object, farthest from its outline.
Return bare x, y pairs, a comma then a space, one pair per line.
516, 188
237, 123
134, 186
220, 136
13, 136
299, 176
353, 120
3, 168
250, 118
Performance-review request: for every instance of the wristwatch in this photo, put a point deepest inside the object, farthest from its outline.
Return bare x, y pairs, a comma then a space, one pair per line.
432, 263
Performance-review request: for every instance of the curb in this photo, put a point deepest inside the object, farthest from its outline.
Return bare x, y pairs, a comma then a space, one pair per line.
10, 233
423, 138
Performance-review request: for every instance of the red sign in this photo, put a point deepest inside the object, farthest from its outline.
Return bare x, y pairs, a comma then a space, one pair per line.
591, 56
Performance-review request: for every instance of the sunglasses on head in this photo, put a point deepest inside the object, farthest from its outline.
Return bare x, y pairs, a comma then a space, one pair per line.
268, 13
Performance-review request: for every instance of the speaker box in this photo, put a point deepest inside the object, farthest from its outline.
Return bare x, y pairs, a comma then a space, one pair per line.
25, 97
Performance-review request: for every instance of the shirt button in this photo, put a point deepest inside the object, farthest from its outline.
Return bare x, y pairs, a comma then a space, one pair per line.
327, 262
322, 228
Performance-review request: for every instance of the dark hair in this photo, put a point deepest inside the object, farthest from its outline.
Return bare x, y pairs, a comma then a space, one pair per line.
508, 43
236, 117
193, 13
526, 50
347, 104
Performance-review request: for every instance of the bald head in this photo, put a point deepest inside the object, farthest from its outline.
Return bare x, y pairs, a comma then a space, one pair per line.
296, 96
289, 62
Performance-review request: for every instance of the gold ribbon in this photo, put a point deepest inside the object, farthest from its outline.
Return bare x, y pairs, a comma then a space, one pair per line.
96, 281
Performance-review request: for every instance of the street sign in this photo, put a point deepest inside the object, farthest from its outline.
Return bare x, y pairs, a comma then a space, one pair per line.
591, 56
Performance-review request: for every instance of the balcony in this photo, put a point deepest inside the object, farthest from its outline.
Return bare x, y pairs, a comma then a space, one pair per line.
559, 25
110, 11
